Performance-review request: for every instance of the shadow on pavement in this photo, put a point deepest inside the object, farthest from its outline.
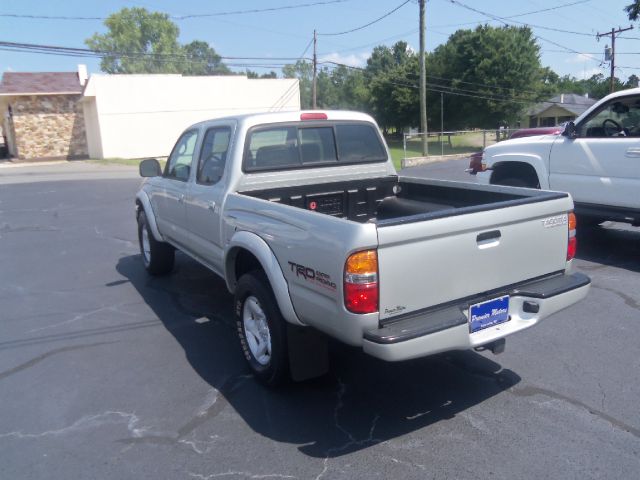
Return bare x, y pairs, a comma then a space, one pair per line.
611, 244
360, 403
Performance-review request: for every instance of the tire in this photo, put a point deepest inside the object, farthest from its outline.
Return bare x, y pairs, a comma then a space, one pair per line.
588, 222
158, 257
514, 182
262, 330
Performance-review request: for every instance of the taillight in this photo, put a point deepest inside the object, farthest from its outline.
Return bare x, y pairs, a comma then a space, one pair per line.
361, 282
572, 245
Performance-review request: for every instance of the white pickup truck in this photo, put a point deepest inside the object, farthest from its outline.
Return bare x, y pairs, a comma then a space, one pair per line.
596, 159
316, 235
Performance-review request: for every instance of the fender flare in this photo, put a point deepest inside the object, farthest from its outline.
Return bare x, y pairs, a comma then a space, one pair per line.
143, 199
261, 250
534, 161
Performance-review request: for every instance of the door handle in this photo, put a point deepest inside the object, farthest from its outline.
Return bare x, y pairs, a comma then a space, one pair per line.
181, 198
633, 152
212, 206
492, 235
488, 239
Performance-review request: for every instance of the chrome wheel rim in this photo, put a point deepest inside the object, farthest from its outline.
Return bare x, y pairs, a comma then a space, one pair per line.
146, 246
256, 330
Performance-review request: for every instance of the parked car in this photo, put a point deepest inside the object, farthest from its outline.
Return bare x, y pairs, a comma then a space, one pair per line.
475, 159
596, 160
304, 216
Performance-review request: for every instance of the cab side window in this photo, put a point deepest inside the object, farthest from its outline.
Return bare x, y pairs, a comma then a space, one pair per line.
618, 118
179, 163
213, 155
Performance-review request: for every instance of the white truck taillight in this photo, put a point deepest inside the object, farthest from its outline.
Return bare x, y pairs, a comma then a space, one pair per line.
572, 244
361, 282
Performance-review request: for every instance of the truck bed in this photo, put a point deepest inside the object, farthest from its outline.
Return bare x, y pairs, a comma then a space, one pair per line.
393, 200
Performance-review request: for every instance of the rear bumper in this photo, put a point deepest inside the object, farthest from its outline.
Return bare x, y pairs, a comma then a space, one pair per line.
448, 328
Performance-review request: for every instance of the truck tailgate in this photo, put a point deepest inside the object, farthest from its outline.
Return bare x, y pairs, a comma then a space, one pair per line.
434, 261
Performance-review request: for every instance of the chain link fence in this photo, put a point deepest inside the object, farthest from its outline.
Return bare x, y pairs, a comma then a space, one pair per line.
460, 142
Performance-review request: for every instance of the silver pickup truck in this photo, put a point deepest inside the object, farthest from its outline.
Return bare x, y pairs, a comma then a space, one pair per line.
316, 235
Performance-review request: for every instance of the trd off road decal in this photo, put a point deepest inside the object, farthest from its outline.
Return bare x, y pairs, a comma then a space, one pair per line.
313, 276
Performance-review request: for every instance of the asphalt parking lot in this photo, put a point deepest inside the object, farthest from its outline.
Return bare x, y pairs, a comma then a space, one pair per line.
108, 373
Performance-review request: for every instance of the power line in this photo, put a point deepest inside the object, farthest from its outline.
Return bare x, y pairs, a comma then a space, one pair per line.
503, 20
257, 10
438, 88
367, 24
182, 17
378, 42
445, 89
557, 7
71, 51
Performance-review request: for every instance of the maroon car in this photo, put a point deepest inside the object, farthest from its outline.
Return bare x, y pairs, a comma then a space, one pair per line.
475, 159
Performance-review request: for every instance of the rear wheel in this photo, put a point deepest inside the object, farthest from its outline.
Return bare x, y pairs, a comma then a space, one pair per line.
261, 329
158, 257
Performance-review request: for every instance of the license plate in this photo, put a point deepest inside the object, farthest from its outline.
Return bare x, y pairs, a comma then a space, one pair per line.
487, 314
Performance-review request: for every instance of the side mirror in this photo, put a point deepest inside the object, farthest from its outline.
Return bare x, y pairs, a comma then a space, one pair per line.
150, 168
570, 130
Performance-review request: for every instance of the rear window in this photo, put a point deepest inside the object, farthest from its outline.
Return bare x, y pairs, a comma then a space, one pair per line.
295, 146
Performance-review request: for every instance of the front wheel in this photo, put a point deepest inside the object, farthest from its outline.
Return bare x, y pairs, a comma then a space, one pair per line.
158, 257
514, 182
261, 329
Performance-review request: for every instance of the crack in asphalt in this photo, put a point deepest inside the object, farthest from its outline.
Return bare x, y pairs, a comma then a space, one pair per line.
231, 473
531, 390
628, 300
90, 421
85, 315
177, 297
213, 406
342, 388
44, 356
6, 228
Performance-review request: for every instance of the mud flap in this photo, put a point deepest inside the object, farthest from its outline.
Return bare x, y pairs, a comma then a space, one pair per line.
308, 353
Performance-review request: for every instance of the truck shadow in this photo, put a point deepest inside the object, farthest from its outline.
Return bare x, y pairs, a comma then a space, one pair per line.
360, 403
610, 244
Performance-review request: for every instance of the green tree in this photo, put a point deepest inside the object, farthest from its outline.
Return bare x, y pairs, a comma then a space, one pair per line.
393, 86
303, 71
139, 41
146, 42
350, 88
633, 10
252, 74
201, 59
489, 75
632, 81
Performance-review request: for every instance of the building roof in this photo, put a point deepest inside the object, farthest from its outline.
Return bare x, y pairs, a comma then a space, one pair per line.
40, 83
571, 102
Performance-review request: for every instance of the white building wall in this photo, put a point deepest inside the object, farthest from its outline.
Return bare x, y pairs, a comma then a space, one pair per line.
137, 116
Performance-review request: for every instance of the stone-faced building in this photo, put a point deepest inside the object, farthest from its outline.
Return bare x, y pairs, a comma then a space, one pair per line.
42, 116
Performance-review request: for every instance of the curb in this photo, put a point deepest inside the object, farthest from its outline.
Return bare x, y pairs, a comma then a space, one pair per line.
30, 164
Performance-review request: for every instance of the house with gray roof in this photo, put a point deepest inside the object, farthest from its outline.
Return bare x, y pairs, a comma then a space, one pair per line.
559, 109
42, 116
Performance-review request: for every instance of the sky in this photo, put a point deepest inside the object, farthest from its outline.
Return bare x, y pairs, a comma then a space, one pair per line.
565, 29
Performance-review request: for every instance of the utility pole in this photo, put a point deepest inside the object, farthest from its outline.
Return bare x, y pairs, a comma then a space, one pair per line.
315, 71
423, 83
612, 34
